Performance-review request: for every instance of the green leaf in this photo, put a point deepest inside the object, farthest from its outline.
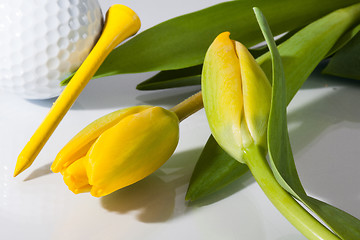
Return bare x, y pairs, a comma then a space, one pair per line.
192, 75
66, 80
279, 147
182, 41
346, 62
303, 52
347, 37
345, 225
300, 55
281, 158
173, 78
280, 153
213, 172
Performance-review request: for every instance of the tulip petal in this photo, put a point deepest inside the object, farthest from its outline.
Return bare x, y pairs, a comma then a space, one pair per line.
256, 95
222, 93
79, 145
131, 150
75, 177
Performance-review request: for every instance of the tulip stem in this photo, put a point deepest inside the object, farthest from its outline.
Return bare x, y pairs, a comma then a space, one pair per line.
281, 199
189, 106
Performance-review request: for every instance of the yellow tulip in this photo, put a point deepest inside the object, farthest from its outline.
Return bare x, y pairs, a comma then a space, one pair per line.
236, 95
118, 149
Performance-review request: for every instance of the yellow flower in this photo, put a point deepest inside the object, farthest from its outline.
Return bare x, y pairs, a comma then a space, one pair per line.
236, 95
118, 149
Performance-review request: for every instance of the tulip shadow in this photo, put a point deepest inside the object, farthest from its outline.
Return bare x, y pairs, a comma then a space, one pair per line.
154, 197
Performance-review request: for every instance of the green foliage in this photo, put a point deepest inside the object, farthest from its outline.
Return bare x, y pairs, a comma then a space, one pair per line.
346, 62
173, 78
295, 56
281, 157
213, 172
296, 51
181, 42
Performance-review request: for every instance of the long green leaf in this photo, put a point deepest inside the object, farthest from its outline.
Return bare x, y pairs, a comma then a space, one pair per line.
303, 52
344, 40
346, 62
182, 42
279, 147
192, 75
281, 158
349, 66
345, 225
300, 54
173, 78
213, 172
280, 153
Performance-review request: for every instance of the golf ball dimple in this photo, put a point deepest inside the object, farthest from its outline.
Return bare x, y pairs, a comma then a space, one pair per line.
43, 42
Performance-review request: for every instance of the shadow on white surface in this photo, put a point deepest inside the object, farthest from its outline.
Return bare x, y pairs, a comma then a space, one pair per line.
320, 80
39, 172
45, 103
325, 135
292, 237
154, 197
120, 91
170, 97
239, 184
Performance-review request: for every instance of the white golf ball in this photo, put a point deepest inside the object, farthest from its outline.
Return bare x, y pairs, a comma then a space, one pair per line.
43, 41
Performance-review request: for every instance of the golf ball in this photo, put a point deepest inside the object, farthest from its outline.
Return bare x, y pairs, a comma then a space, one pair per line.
42, 42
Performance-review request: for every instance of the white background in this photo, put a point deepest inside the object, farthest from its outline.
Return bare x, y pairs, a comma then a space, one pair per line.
324, 123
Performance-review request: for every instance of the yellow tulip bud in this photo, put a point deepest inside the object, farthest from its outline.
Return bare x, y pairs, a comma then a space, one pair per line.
118, 149
236, 95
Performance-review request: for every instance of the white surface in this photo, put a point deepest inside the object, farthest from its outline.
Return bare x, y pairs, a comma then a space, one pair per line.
324, 122
42, 42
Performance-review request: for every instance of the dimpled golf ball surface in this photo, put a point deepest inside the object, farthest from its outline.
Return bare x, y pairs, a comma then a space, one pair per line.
43, 41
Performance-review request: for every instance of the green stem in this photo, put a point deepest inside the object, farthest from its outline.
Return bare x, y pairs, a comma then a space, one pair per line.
189, 106
281, 199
